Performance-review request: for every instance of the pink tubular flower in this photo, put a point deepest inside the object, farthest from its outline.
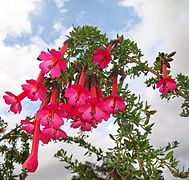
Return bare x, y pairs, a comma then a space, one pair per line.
35, 89
77, 94
102, 57
28, 126
31, 162
53, 61
115, 102
51, 114
94, 110
51, 133
14, 101
84, 125
166, 84
79, 122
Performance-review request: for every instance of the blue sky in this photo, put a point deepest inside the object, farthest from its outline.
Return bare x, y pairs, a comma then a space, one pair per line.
28, 27
107, 15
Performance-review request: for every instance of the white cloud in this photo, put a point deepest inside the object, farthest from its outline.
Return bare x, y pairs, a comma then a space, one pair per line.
14, 16
60, 3
164, 26
136, 4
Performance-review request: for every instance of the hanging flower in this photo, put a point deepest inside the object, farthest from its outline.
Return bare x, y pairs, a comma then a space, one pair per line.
115, 102
166, 84
51, 114
28, 126
79, 122
102, 57
35, 89
49, 133
31, 162
94, 110
14, 101
53, 61
77, 94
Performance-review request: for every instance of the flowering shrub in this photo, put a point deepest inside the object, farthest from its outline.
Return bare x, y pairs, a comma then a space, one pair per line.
84, 82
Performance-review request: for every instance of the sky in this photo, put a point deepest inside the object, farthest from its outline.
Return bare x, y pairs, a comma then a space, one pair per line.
28, 27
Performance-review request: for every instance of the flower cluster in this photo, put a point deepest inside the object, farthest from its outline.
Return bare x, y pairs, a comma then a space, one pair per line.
90, 107
83, 105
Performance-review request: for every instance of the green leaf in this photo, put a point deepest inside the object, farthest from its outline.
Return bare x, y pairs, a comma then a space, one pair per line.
112, 137
169, 155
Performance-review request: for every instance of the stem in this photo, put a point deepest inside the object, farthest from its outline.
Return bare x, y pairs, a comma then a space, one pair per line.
145, 67
140, 161
7, 136
114, 86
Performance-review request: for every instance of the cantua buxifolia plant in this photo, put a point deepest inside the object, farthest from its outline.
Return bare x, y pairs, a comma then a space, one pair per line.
84, 83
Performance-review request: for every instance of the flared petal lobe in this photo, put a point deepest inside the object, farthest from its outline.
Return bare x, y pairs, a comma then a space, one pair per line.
166, 85
14, 101
52, 62
102, 57
34, 90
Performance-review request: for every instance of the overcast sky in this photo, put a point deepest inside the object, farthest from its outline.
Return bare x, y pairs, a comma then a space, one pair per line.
28, 27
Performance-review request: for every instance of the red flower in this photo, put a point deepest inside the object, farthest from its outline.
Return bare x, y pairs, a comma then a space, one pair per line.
35, 89
51, 114
79, 122
53, 62
14, 101
31, 163
85, 126
94, 110
102, 57
166, 84
28, 126
77, 94
51, 133
115, 102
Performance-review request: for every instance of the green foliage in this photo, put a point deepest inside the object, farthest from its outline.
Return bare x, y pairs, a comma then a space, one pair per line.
14, 149
183, 88
133, 156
